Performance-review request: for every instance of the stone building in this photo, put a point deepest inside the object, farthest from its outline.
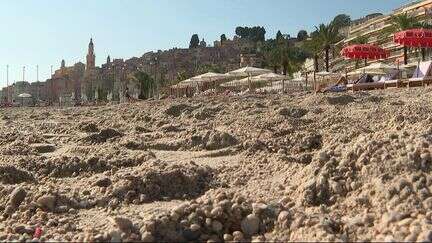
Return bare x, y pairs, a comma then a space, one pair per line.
65, 83
7, 94
38, 91
90, 84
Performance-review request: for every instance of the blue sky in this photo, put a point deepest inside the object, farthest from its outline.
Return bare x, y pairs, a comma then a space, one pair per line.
42, 32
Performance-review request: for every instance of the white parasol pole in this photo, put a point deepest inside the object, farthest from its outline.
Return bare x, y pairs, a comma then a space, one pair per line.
283, 86
249, 82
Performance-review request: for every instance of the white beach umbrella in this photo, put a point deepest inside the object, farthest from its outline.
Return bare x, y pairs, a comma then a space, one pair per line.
237, 82
269, 77
209, 77
248, 72
380, 66
363, 71
377, 67
24, 95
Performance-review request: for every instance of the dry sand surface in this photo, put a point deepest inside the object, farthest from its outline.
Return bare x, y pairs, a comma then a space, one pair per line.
302, 167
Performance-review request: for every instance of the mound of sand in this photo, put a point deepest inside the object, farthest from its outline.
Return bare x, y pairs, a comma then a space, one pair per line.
328, 167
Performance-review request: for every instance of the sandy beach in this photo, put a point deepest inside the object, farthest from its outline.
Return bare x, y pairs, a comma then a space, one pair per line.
298, 167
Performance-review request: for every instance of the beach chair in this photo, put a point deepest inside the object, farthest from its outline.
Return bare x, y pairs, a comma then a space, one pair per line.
368, 86
365, 82
422, 75
392, 80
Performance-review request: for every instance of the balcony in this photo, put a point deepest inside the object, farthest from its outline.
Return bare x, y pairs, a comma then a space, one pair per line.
367, 24
390, 45
418, 13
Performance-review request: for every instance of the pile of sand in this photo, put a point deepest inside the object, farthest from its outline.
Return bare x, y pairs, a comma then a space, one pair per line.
333, 167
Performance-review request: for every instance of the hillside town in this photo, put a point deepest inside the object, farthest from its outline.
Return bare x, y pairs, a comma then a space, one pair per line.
87, 82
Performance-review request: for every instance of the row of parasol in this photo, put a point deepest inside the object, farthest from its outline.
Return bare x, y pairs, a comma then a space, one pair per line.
417, 38
250, 74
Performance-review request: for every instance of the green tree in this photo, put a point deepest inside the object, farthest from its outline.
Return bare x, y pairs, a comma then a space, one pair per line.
254, 34
258, 34
292, 59
341, 20
145, 82
313, 47
272, 55
302, 35
242, 32
327, 36
182, 75
281, 54
279, 36
223, 38
194, 43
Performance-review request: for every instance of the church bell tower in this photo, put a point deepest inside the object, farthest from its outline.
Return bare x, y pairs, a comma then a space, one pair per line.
91, 57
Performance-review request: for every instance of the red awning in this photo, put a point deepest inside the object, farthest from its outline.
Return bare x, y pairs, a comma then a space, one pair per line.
414, 38
364, 51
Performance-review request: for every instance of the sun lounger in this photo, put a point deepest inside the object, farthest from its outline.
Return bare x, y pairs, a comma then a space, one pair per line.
365, 83
367, 86
391, 80
422, 75
418, 82
392, 83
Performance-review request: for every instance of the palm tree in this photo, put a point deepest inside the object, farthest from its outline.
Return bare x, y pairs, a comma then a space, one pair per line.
313, 46
145, 82
327, 36
360, 40
286, 57
273, 57
292, 58
280, 53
